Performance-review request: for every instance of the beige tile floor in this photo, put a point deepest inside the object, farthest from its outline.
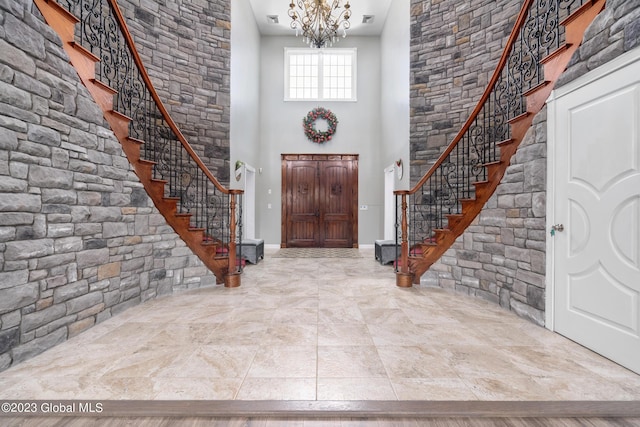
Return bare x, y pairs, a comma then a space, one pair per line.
319, 329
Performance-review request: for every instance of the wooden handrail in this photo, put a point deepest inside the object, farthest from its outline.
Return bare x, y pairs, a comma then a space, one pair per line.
467, 173
522, 16
151, 88
186, 207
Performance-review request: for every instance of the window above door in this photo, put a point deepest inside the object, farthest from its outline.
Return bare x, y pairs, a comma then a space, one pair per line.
320, 74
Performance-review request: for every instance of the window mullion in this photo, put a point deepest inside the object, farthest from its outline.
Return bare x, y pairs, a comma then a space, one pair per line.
320, 76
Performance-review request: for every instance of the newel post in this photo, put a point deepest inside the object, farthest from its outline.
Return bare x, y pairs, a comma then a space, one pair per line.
403, 276
232, 279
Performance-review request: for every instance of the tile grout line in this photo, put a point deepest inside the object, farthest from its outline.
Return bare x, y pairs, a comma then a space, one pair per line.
267, 289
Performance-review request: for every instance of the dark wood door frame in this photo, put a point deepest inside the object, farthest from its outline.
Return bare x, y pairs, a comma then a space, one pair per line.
348, 217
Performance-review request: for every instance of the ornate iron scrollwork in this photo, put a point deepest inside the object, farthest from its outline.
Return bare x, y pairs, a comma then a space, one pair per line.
100, 33
465, 164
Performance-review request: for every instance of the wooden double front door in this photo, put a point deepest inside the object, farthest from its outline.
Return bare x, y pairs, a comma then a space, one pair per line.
320, 200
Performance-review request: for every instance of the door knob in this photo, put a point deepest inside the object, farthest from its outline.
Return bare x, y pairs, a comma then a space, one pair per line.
558, 228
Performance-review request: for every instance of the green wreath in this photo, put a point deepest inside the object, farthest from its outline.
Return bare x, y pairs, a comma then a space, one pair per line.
309, 125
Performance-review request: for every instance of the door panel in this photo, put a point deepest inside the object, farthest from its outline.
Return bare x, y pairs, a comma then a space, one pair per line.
336, 197
597, 257
304, 215
625, 248
319, 201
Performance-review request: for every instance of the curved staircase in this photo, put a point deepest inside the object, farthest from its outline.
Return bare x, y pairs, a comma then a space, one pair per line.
205, 214
438, 209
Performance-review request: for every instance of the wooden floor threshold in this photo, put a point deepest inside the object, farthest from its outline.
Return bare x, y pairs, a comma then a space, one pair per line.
344, 409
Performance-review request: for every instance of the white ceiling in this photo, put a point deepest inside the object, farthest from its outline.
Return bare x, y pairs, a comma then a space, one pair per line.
378, 8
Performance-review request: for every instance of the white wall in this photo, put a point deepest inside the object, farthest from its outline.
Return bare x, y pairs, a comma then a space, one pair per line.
358, 132
245, 86
395, 47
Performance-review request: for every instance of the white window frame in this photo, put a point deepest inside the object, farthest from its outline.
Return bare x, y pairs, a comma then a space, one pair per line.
352, 52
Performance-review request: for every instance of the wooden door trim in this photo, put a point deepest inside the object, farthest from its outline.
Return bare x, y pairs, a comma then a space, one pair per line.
285, 158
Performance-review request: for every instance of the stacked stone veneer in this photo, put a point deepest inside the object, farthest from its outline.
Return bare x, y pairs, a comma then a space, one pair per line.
455, 46
80, 240
185, 45
615, 31
501, 257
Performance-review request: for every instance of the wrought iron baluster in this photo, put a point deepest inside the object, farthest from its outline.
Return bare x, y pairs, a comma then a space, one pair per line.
521, 72
538, 46
239, 232
559, 30
177, 173
460, 169
202, 200
203, 205
226, 225
441, 200
397, 230
182, 178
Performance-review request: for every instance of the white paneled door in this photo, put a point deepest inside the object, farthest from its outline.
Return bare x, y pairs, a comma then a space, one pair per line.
594, 218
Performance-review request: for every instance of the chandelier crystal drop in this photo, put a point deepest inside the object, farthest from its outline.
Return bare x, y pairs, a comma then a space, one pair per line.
319, 21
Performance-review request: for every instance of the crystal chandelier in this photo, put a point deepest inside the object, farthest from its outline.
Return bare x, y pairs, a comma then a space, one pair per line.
319, 21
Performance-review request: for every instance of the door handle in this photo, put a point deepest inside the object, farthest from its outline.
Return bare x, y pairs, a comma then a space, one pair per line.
317, 214
558, 227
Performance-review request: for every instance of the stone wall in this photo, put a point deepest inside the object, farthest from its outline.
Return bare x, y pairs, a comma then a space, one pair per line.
615, 30
455, 46
80, 240
501, 257
185, 45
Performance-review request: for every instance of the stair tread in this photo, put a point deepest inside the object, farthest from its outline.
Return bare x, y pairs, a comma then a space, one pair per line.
68, 15
494, 163
537, 87
84, 51
103, 85
559, 51
576, 13
505, 142
519, 117
441, 230
429, 244
119, 114
136, 140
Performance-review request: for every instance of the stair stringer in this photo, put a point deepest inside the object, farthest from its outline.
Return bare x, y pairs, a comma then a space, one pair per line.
84, 62
554, 65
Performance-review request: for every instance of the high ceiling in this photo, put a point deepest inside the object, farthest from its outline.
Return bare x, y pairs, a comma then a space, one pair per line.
377, 8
